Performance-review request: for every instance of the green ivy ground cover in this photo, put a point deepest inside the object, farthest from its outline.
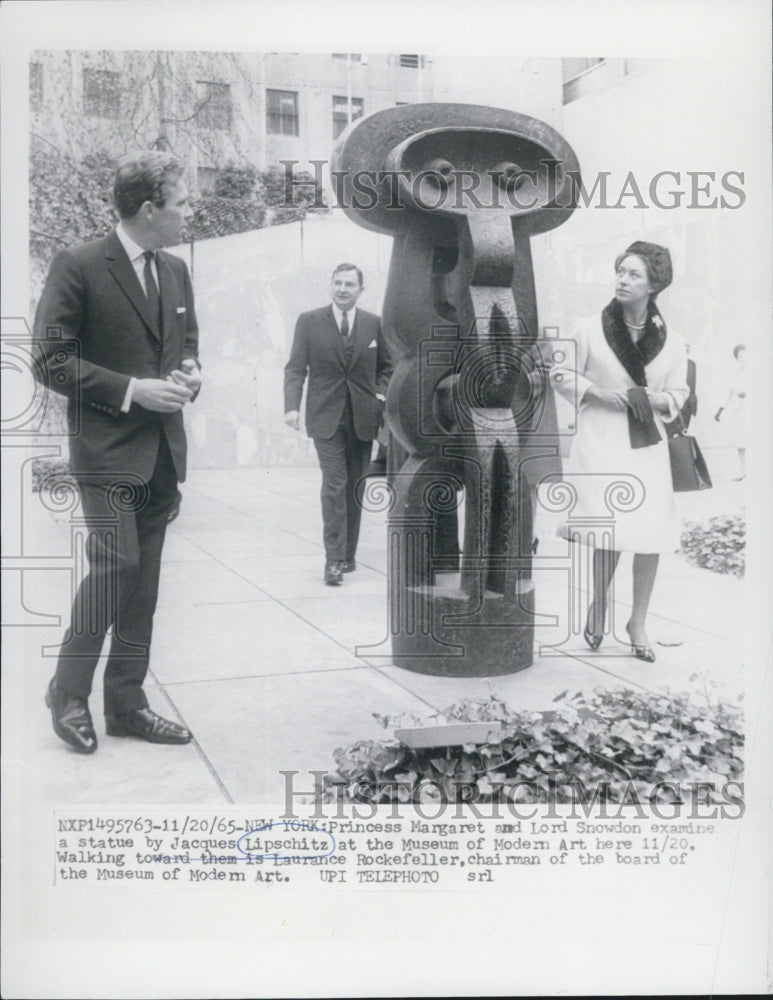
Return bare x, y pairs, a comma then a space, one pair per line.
718, 544
611, 743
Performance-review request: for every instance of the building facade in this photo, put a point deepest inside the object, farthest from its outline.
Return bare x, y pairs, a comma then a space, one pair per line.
213, 109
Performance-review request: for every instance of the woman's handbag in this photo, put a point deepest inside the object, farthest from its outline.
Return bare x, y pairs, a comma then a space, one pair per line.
688, 466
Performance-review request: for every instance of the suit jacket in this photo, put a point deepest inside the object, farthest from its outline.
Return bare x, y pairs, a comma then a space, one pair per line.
318, 350
93, 332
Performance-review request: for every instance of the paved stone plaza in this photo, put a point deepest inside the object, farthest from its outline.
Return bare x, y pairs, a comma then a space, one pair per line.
272, 670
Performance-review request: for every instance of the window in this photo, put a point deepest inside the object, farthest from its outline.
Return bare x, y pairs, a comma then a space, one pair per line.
411, 61
215, 110
102, 93
281, 112
583, 77
36, 85
341, 113
353, 56
206, 179
570, 68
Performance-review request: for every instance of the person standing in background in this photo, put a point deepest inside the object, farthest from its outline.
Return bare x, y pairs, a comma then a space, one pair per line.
342, 351
735, 407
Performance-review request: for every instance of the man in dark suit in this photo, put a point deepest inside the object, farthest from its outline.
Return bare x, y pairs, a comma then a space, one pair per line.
116, 334
342, 350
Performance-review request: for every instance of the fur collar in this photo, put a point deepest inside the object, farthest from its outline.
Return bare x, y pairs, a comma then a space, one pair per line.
634, 357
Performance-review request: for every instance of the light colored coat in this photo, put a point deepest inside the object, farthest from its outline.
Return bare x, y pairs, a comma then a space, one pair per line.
624, 494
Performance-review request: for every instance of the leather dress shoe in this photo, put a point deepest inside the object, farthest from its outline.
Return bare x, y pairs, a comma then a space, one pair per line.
348, 565
71, 719
145, 724
333, 573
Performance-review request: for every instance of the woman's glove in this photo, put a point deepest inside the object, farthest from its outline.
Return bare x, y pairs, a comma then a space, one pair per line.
612, 399
640, 404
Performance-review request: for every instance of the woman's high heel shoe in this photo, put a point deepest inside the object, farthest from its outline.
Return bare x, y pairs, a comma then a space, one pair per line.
593, 639
645, 653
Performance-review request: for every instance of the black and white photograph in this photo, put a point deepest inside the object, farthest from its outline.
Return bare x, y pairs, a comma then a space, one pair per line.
386, 518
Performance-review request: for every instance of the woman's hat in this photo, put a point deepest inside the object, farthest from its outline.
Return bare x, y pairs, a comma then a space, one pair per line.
658, 262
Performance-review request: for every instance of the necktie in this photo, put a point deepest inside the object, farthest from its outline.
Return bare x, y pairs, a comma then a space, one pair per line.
345, 325
151, 289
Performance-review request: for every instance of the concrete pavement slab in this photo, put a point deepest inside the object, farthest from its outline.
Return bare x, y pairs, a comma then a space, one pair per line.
259, 658
301, 576
713, 662
186, 585
266, 506
243, 639
177, 548
357, 620
225, 543
251, 730
533, 688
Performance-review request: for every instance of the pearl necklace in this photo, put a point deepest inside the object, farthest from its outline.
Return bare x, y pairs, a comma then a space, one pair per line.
636, 326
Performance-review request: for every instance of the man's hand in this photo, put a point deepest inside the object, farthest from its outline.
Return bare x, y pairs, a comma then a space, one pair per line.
160, 395
293, 419
190, 376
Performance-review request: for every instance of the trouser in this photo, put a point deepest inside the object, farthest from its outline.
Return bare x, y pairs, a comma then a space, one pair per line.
344, 460
126, 529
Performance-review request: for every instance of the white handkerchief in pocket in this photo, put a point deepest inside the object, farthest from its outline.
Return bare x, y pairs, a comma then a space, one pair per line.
372, 344
180, 309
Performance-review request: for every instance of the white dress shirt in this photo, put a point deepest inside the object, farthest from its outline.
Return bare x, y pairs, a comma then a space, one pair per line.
136, 256
339, 315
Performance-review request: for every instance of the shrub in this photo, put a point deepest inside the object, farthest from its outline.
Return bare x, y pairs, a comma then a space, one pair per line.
306, 197
69, 202
611, 742
235, 182
246, 199
719, 544
215, 216
51, 472
280, 216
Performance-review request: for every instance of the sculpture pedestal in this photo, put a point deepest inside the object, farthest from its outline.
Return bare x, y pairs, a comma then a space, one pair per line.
478, 622
447, 638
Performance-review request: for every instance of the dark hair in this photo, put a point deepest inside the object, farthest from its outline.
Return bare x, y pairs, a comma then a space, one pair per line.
737, 350
647, 265
142, 177
349, 267
657, 262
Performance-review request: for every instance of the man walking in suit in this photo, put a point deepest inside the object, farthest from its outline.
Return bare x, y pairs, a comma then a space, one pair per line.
342, 350
116, 334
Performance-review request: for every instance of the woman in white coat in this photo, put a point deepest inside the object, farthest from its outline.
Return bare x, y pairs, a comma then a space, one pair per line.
630, 377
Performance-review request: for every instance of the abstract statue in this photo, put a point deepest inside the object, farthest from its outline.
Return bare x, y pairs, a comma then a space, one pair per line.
462, 189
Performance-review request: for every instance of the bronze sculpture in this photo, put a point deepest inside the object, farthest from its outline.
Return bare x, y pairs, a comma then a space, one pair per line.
461, 188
